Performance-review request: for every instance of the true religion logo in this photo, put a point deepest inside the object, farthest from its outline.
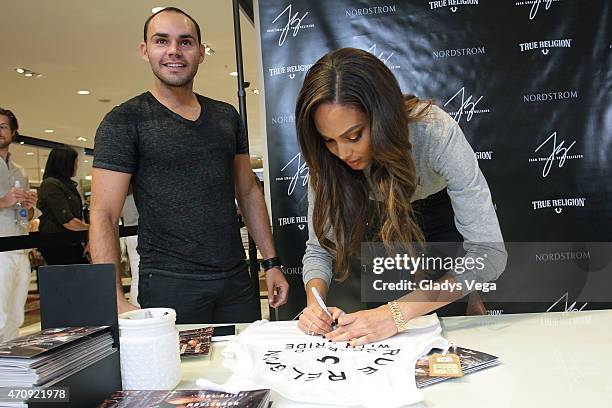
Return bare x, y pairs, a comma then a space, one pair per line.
453, 4
559, 204
289, 70
301, 222
487, 155
545, 46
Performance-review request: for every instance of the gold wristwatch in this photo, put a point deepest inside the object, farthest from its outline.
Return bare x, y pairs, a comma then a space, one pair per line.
398, 318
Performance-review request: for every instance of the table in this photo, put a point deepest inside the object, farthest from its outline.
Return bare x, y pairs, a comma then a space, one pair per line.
547, 360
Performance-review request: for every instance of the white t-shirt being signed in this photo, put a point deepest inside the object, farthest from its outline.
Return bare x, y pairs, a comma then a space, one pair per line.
313, 370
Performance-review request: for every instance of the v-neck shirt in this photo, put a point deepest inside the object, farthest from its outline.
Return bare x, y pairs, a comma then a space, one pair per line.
183, 177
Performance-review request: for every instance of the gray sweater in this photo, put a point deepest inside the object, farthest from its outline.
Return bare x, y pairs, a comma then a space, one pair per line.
443, 159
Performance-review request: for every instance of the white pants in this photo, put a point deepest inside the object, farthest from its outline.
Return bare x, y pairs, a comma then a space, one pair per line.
14, 281
131, 243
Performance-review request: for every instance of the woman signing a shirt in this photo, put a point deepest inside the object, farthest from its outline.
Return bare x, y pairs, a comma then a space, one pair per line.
385, 167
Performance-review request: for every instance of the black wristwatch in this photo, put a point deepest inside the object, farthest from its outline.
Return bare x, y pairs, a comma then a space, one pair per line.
271, 263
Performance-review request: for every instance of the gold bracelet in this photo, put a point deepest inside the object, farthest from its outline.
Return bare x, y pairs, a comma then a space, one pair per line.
398, 318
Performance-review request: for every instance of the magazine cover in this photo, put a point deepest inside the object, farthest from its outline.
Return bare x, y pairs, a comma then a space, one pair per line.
471, 360
45, 340
195, 342
187, 399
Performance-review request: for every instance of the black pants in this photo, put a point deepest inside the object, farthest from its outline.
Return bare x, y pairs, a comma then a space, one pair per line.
231, 300
64, 255
435, 217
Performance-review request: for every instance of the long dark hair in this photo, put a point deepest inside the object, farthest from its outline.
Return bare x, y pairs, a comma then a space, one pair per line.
60, 163
356, 78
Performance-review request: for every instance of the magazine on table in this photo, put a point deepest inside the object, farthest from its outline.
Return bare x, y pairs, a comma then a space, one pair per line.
187, 398
195, 342
37, 343
471, 361
47, 357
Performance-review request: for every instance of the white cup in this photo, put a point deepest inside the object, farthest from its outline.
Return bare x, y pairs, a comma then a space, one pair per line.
150, 358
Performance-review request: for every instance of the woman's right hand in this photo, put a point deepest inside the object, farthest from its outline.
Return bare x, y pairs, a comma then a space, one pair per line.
314, 320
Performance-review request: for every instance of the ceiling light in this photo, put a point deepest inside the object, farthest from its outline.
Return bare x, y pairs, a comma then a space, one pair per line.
85, 161
27, 72
49, 130
84, 92
21, 143
87, 177
208, 49
233, 73
157, 9
30, 153
42, 170
82, 139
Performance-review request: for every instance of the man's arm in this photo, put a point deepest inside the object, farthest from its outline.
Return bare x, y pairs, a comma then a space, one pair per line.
253, 207
108, 192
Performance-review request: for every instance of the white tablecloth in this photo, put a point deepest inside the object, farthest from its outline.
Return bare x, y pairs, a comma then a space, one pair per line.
547, 360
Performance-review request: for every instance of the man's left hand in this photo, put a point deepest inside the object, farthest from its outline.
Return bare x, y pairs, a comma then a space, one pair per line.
276, 282
364, 326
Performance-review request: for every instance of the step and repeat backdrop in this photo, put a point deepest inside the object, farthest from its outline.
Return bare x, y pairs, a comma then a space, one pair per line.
530, 84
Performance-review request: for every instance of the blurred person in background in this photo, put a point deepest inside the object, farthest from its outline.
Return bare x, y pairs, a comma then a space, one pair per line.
130, 218
61, 206
14, 265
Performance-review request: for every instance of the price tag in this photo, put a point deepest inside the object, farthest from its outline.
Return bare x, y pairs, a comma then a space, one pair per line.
445, 365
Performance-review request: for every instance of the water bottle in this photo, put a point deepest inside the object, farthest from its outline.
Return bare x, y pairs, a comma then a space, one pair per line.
21, 213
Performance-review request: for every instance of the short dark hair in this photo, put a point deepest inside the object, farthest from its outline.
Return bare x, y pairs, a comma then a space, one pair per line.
12, 119
175, 10
60, 163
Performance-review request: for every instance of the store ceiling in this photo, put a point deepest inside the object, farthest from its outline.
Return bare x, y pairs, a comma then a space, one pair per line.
84, 45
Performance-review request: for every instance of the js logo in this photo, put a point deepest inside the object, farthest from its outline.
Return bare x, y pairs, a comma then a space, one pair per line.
568, 308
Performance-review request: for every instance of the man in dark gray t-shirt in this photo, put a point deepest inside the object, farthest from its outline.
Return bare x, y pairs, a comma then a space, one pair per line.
182, 172
187, 158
